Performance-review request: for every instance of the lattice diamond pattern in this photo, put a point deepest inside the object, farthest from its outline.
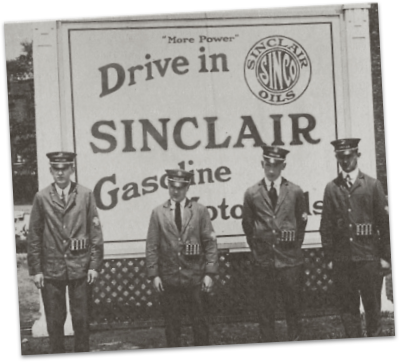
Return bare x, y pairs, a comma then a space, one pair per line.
124, 295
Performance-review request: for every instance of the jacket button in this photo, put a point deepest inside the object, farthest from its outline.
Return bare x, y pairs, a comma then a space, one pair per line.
178, 253
65, 255
274, 231
350, 239
349, 210
64, 241
350, 225
179, 267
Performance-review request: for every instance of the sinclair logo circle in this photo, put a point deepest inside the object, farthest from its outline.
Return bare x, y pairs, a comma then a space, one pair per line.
277, 70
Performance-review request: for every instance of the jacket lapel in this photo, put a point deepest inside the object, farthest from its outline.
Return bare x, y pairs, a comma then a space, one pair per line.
344, 186
55, 197
265, 194
188, 214
341, 184
282, 194
71, 197
357, 182
168, 216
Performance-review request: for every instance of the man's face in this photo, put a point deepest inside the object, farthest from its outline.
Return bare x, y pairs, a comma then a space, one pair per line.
177, 194
62, 175
347, 162
272, 169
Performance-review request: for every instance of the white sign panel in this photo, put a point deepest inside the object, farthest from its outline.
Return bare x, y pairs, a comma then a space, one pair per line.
200, 95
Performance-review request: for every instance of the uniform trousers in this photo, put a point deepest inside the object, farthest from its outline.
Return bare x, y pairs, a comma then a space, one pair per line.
268, 280
353, 280
54, 300
176, 299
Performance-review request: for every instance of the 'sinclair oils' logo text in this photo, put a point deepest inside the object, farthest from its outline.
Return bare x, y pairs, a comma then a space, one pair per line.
277, 70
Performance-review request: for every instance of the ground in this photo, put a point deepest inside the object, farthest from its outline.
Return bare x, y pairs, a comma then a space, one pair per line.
221, 334
328, 327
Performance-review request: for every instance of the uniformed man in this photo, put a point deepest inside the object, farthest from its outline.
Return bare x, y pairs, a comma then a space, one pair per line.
182, 259
65, 248
274, 221
355, 236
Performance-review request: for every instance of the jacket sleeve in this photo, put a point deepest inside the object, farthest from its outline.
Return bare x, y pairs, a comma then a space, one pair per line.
326, 226
35, 237
248, 218
382, 221
209, 243
96, 236
152, 246
301, 216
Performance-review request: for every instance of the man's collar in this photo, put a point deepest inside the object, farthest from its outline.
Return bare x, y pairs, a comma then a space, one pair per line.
277, 182
184, 202
65, 190
353, 174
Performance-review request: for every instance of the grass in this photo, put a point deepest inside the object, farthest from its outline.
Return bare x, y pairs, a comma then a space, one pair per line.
28, 295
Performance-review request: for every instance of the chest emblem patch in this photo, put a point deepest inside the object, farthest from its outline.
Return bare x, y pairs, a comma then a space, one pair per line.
96, 221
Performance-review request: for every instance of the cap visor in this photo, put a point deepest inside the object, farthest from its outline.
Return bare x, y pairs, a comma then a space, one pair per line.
178, 185
60, 166
273, 160
347, 152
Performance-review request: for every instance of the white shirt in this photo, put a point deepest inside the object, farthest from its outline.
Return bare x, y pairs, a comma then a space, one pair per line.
182, 204
276, 184
66, 191
352, 175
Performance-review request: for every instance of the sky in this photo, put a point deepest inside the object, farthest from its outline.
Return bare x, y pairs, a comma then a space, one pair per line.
15, 34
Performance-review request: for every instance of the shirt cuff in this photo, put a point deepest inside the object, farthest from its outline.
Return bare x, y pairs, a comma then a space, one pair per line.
152, 272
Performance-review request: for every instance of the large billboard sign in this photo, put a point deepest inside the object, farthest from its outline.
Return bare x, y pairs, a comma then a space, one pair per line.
202, 94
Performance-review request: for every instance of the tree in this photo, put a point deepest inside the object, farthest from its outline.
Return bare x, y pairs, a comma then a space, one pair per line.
21, 68
21, 103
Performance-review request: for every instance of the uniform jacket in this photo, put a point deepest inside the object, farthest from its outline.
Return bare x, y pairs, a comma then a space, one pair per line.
165, 247
52, 231
344, 211
266, 228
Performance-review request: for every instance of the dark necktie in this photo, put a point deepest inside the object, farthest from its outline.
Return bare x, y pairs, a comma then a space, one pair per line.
273, 195
348, 181
63, 198
178, 216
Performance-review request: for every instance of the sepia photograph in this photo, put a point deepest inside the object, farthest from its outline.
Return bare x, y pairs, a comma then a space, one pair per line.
205, 178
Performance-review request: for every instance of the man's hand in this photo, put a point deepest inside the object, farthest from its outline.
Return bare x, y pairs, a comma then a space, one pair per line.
207, 284
92, 276
330, 265
38, 279
157, 282
384, 264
